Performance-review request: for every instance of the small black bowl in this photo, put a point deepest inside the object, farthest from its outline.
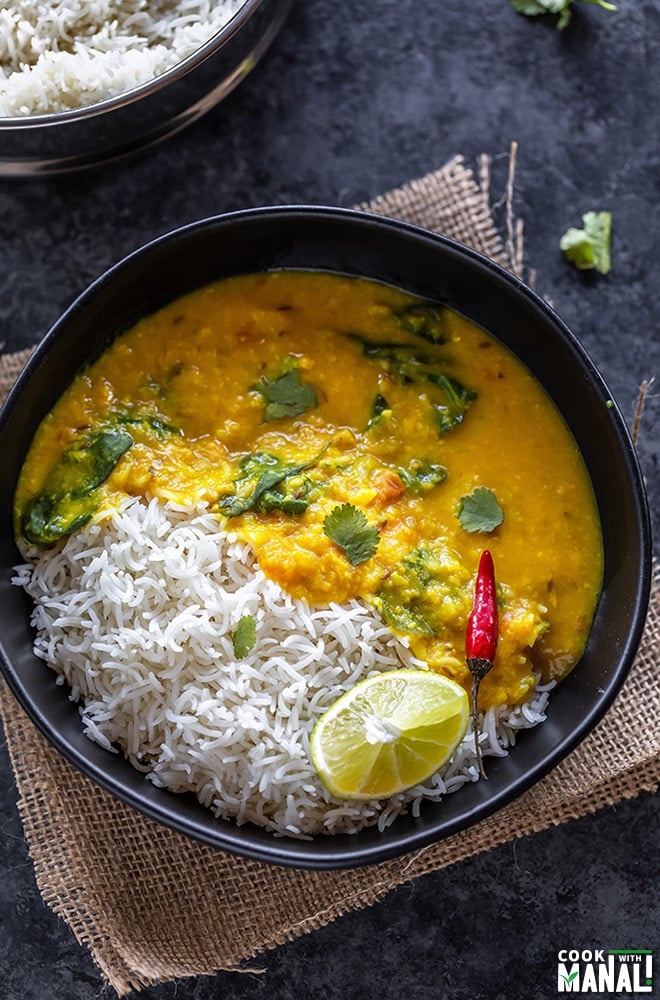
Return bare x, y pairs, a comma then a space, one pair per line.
428, 265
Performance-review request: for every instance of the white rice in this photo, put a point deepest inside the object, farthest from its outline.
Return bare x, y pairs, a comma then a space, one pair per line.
56, 55
135, 613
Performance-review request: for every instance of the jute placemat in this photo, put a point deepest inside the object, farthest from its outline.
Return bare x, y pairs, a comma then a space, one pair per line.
152, 905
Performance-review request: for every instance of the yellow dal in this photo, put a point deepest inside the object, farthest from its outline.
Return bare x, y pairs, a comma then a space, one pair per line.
193, 363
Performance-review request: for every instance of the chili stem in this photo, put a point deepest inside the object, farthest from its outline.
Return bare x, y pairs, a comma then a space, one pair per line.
475, 725
481, 638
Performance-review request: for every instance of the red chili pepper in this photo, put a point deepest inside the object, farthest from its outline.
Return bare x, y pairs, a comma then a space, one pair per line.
482, 626
481, 637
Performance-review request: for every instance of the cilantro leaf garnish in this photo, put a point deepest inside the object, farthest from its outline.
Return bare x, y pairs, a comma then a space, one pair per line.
287, 396
532, 8
480, 511
348, 528
244, 636
589, 248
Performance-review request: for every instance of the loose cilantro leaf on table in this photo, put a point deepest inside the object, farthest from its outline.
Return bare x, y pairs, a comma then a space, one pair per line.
348, 528
589, 248
532, 8
480, 511
287, 396
244, 636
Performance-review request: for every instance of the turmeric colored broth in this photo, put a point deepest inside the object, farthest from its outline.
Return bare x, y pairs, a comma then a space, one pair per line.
182, 385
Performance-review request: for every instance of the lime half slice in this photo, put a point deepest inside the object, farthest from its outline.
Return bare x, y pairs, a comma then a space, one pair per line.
388, 733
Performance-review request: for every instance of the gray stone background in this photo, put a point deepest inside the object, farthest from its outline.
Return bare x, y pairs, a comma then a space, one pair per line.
354, 99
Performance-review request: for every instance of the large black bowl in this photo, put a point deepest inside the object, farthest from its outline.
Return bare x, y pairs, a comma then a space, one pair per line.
429, 265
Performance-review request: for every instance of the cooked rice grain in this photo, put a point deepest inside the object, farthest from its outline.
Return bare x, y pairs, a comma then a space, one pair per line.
136, 614
56, 55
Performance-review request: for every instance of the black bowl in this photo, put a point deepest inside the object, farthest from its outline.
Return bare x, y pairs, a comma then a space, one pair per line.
431, 266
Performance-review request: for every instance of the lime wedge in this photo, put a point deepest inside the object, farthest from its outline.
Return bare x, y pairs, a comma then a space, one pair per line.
388, 733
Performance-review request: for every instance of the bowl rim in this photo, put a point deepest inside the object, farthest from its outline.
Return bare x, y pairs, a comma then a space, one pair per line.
291, 852
127, 97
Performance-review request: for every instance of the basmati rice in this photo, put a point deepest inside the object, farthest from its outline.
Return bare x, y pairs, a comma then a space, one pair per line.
56, 55
136, 613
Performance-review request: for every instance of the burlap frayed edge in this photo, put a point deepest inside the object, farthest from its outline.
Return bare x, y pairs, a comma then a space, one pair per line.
450, 201
114, 875
74, 886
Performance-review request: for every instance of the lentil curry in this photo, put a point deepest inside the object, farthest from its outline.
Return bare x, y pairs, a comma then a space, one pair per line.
286, 399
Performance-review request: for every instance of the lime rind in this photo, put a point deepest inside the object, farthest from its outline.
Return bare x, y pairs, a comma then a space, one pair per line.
422, 717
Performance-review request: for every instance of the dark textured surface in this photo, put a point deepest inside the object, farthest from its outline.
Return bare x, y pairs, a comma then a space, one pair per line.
351, 101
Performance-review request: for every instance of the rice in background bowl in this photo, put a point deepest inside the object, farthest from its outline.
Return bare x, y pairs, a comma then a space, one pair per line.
85, 83
56, 56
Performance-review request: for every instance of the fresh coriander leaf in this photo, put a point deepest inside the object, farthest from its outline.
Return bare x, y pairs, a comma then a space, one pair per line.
589, 248
532, 8
348, 528
244, 636
480, 511
286, 396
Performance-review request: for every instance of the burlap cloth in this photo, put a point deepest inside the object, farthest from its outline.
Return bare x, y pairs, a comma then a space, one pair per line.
152, 905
